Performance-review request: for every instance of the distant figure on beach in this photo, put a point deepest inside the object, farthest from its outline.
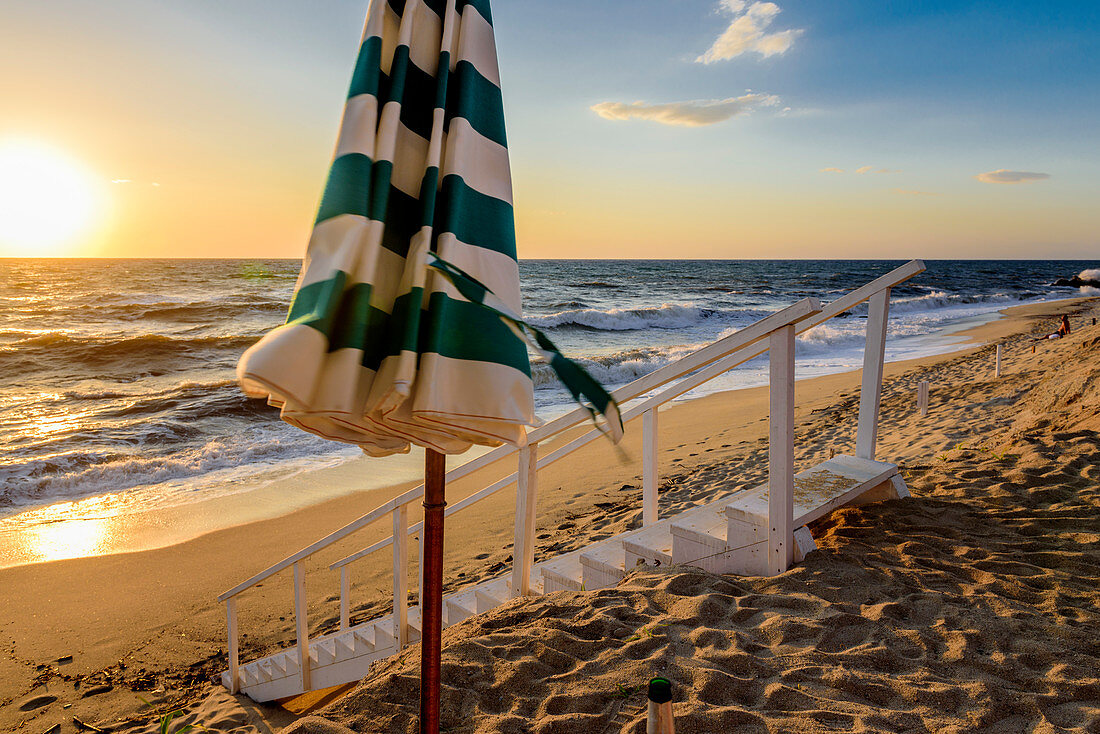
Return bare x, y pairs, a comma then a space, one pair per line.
1063, 330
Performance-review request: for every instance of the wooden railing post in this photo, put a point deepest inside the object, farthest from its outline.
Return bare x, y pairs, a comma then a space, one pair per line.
401, 575
781, 451
301, 624
345, 602
234, 643
523, 547
870, 393
649, 467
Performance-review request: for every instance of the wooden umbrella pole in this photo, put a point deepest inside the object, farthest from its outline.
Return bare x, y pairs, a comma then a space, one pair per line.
431, 605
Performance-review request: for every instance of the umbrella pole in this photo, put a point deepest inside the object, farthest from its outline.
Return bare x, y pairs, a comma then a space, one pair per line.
431, 606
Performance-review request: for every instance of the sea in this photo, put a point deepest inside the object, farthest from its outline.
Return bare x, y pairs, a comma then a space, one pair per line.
117, 376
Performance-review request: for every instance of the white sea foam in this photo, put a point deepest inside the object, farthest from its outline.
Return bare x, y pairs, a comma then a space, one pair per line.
1090, 274
938, 299
78, 474
666, 316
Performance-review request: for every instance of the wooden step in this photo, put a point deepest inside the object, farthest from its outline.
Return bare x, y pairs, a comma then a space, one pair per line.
650, 545
384, 631
268, 672
249, 675
364, 639
563, 573
345, 646
287, 662
818, 490
602, 566
699, 540
322, 652
491, 594
460, 606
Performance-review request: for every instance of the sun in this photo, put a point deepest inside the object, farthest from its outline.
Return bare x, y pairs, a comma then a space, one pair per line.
47, 200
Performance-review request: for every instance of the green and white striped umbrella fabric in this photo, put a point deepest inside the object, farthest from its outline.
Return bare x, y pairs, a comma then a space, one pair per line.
404, 327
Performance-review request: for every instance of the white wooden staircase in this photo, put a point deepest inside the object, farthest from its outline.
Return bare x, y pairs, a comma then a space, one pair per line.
760, 531
729, 535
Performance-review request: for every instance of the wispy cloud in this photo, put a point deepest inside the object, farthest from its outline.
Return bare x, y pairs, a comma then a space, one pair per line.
748, 32
832, 170
1004, 176
693, 113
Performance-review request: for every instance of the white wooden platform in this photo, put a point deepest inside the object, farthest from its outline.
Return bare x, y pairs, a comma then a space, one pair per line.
729, 536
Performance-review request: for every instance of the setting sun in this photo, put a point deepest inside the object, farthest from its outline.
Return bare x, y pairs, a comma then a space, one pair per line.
47, 200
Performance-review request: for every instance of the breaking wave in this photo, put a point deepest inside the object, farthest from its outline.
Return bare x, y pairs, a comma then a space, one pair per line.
666, 316
77, 474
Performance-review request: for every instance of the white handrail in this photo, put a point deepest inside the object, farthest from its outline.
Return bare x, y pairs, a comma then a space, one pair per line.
717, 367
816, 316
749, 335
799, 312
698, 367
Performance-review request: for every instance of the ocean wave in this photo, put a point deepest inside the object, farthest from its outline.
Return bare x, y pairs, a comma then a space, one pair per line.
1089, 274
80, 474
133, 299
666, 316
618, 368
938, 299
181, 312
845, 335
109, 394
192, 404
198, 312
66, 346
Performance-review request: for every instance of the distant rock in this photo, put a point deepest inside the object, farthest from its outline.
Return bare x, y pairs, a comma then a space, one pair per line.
1077, 281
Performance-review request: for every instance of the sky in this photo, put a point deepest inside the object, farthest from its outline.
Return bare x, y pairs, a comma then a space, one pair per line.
641, 129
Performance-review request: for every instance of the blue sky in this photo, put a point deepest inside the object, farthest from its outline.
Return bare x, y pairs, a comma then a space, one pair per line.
234, 106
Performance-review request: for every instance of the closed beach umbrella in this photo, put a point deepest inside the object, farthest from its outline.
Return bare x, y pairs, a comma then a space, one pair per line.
405, 324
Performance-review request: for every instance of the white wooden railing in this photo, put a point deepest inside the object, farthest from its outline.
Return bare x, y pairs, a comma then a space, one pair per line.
774, 334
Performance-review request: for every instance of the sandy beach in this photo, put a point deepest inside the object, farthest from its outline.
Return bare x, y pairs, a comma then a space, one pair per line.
971, 606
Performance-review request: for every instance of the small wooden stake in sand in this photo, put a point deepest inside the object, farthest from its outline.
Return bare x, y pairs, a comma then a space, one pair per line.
922, 397
660, 707
997, 371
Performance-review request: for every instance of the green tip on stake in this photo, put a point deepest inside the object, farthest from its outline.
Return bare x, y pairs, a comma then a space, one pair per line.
660, 690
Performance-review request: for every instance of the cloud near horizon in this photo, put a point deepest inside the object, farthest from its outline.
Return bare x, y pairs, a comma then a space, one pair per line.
692, 113
748, 32
1004, 176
